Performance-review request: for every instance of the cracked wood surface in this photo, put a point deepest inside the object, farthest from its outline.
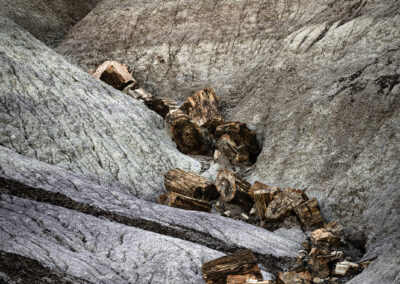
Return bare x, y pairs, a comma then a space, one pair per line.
52, 111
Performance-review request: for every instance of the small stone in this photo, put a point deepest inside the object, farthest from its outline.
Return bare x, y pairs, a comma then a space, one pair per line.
217, 154
317, 280
114, 74
324, 240
253, 211
227, 213
245, 216
294, 277
345, 268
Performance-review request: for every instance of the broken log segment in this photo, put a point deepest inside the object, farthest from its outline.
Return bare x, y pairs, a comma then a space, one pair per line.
139, 94
202, 107
273, 190
176, 200
114, 74
309, 214
162, 106
226, 145
186, 133
233, 189
240, 263
190, 184
261, 199
242, 135
284, 203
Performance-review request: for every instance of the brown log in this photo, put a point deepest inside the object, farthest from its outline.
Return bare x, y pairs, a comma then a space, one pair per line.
190, 184
273, 190
233, 189
248, 278
241, 135
309, 214
261, 199
186, 133
240, 263
202, 107
114, 74
176, 200
235, 153
162, 106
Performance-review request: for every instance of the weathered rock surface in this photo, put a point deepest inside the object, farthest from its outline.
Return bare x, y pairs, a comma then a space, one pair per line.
54, 112
113, 200
319, 80
48, 20
95, 250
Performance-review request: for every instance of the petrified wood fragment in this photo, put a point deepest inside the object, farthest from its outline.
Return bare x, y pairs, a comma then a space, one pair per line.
140, 94
190, 184
309, 214
295, 278
176, 200
202, 107
284, 203
240, 263
162, 106
114, 74
324, 240
186, 133
234, 152
233, 189
239, 133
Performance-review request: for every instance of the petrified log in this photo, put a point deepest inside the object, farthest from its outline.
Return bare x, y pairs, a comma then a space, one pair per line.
234, 152
190, 184
309, 214
241, 135
319, 264
233, 189
186, 133
261, 199
114, 74
284, 203
176, 200
240, 263
324, 240
162, 106
202, 107
345, 268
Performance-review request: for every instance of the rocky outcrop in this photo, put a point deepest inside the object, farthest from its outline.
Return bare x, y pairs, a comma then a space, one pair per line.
317, 80
48, 20
52, 111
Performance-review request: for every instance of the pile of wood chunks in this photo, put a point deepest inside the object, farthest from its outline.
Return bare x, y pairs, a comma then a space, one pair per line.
198, 127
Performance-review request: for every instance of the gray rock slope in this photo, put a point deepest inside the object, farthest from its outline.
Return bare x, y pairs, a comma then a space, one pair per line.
60, 187
48, 20
318, 81
54, 112
94, 250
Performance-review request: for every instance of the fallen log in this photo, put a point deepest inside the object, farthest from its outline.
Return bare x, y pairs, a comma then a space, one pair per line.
190, 184
240, 263
186, 133
176, 200
233, 189
114, 74
202, 107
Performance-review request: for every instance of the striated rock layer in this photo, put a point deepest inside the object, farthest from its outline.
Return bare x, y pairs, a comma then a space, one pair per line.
48, 20
318, 81
52, 111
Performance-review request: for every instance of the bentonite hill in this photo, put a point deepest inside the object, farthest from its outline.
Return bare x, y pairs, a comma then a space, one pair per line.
314, 86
